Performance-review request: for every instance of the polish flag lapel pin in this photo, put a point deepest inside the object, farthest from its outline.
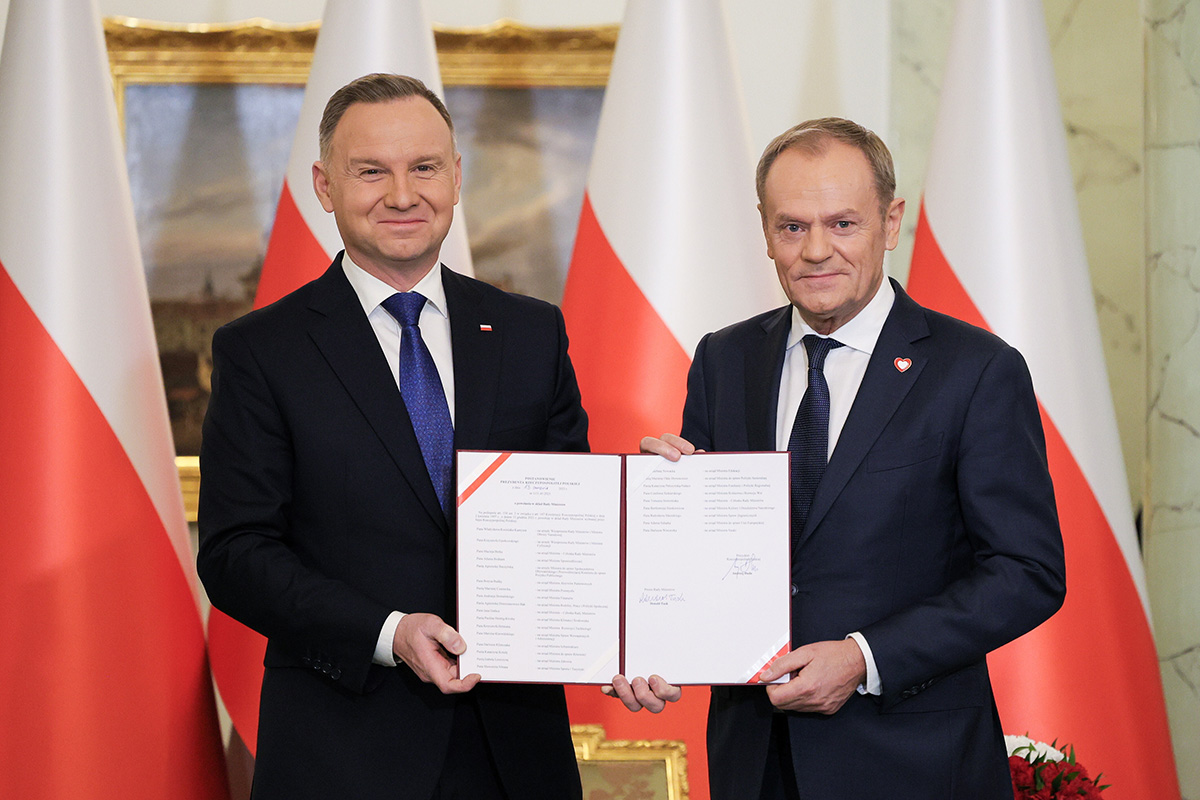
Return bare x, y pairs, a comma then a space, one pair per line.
902, 364
483, 326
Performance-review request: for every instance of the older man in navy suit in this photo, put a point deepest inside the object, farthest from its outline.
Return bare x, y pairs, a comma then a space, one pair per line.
327, 506
924, 527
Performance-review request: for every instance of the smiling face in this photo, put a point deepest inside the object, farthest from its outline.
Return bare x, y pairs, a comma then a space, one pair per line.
392, 180
826, 232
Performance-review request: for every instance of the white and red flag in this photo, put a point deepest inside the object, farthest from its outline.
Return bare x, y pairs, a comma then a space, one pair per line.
357, 37
104, 687
999, 244
669, 247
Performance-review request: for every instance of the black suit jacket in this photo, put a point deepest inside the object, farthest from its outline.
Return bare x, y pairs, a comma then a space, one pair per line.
933, 532
318, 518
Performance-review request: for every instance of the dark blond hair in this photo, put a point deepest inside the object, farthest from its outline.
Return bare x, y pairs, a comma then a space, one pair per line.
378, 87
814, 136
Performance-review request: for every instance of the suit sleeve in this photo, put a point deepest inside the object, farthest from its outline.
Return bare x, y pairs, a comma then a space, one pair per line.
1017, 577
244, 560
697, 424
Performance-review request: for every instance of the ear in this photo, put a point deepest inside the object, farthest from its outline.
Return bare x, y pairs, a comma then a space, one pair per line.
321, 185
762, 215
891, 222
457, 176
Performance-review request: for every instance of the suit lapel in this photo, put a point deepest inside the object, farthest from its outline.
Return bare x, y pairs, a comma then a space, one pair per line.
764, 365
342, 333
476, 339
884, 387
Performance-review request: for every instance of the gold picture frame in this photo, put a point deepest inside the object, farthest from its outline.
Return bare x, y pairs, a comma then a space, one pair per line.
503, 54
622, 768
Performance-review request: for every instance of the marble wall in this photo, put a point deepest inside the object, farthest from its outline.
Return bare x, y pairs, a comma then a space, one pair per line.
1172, 158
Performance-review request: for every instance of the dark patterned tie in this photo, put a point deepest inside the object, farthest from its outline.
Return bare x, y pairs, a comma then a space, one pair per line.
809, 441
423, 395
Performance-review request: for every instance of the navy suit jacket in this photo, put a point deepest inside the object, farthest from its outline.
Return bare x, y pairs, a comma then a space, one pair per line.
933, 532
318, 518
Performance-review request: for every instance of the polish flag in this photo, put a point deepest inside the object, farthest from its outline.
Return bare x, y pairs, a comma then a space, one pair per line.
998, 244
357, 37
104, 687
669, 247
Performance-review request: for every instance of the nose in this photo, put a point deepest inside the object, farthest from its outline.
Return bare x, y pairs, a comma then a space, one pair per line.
401, 194
817, 246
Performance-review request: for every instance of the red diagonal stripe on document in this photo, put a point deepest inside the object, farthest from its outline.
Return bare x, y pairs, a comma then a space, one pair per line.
487, 473
782, 651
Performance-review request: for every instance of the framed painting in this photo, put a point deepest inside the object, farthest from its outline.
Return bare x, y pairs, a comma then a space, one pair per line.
629, 770
209, 114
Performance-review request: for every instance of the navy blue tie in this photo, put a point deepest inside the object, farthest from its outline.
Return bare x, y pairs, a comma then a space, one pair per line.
809, 441
421, 388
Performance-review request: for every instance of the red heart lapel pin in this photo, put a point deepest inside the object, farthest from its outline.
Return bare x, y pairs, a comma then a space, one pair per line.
902, 364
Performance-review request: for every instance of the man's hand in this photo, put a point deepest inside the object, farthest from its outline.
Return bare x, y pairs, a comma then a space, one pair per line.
670, 446
652, 695
430, 648
824, 675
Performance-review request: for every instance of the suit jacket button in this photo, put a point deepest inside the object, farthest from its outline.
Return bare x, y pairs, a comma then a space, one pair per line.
795, 590
335, 673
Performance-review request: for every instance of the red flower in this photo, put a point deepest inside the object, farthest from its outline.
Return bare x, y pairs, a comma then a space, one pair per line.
1022, 772
1037, 776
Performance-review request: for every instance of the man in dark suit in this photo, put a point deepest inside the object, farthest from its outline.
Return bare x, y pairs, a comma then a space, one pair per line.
326, 511
924, 528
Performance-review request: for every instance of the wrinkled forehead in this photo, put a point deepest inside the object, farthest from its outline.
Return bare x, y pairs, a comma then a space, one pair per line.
835, 173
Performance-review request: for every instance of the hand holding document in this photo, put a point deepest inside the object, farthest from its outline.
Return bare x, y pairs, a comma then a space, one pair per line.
576, 567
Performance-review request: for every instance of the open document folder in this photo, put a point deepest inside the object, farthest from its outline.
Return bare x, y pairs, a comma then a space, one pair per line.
574, 567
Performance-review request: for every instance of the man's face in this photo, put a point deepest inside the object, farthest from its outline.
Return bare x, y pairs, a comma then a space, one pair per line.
392, 180
825, 232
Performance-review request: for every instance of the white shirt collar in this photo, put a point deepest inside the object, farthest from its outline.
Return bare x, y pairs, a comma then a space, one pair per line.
862, 331
371, 291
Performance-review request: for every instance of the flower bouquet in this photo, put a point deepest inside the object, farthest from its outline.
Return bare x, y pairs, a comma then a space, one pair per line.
1041, 771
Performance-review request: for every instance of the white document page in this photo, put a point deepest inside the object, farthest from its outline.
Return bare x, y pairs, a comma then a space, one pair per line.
539, 566
707, 566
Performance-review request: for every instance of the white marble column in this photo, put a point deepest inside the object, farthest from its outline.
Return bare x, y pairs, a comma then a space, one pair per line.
1172, 30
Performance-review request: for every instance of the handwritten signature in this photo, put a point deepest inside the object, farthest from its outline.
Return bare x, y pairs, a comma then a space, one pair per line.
741, 566
661, 598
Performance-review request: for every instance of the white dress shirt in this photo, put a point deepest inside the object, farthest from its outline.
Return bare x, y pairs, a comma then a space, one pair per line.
844, 370
435, 332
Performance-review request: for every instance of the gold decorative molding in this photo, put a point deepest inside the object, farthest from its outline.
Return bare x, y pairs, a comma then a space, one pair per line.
503, 54
189, 483
507, 53
592, 747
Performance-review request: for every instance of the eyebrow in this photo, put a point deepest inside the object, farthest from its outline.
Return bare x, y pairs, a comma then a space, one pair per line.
373, 161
